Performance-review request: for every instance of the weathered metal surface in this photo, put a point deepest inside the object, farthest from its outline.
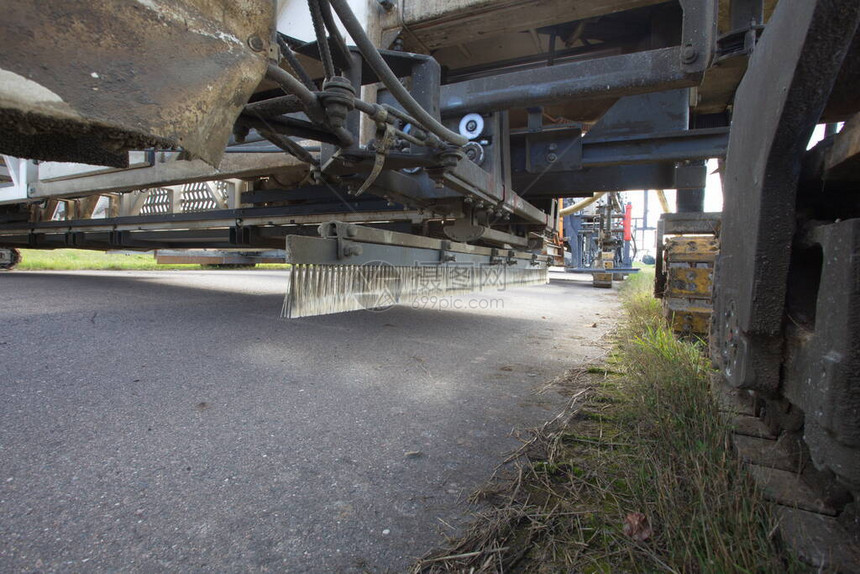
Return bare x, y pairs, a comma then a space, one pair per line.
777, 105
693, 282
431, 24
601, 178
693, 249
691, 223
819, 540
86, 80
687, 318
687, 282
823, 345
169, 169
623, 75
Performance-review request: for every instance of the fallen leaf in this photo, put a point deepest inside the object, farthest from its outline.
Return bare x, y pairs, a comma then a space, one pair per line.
636, 526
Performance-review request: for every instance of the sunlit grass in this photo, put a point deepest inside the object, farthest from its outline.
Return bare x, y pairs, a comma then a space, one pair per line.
83, 259
636, 475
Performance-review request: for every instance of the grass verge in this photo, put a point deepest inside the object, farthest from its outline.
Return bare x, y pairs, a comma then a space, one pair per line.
83, 259
635, 475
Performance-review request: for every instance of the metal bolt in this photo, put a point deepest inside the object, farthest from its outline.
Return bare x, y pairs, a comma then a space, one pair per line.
471, 125
256, 43
551, 157
689, 54
350, 250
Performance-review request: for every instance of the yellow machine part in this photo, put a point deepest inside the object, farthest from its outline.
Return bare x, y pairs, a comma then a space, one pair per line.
604, 280
689, 264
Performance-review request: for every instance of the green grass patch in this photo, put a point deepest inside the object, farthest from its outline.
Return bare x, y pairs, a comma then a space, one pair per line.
636, 475
83, 259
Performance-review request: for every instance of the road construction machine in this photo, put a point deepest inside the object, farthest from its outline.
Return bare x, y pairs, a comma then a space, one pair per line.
399, 147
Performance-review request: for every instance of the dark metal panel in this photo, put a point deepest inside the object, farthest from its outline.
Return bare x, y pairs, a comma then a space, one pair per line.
611, 76
645, 113
777, 105
594, 179
648, 148
823, 344
691, 223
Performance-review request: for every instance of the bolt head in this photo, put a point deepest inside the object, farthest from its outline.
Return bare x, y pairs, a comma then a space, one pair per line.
551, 157
256, 43
689, 54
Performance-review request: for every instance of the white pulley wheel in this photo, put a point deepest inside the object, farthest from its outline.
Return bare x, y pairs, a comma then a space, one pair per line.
471, 126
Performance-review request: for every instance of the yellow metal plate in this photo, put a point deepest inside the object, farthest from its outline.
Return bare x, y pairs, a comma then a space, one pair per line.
685, 318
694, 282
692, 249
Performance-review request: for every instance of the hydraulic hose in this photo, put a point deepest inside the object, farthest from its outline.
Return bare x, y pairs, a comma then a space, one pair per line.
378, 65
294, 63
322, 38
293, 148
293, 86
339, 42
664, 203
582, 204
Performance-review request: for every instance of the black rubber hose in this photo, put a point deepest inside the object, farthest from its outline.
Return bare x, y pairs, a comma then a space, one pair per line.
291, 147
293, 86
286, 125
378, 65
275, 106
333, 31
322, 38
313, 109
294, 63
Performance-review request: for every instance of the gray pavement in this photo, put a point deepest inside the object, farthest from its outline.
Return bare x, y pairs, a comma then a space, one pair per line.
170, 421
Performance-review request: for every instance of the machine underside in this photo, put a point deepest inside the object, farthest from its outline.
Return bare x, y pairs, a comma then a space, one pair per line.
424, 147
472, 145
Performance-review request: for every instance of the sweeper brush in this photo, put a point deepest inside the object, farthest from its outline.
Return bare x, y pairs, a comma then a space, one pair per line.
351, 267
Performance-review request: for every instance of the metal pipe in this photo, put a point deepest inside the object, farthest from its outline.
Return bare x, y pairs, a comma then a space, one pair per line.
582, 204
612, 76
268, 147
377, 64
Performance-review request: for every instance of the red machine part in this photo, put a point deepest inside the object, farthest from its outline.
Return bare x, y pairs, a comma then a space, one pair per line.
628, 222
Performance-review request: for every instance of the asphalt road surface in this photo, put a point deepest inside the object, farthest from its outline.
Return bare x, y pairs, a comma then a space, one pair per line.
170, 421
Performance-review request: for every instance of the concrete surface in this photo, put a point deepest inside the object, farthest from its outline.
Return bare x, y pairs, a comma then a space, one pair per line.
170, 421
